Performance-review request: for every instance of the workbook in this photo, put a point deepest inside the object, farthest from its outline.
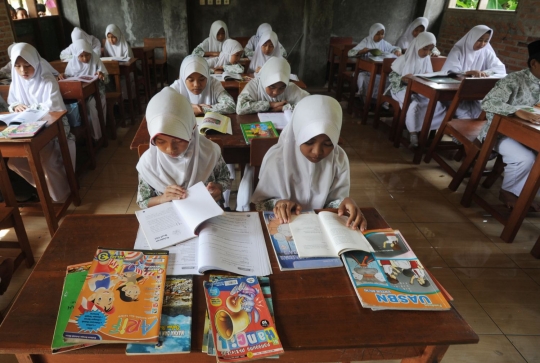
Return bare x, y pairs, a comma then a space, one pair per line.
258, 130
173, 222
213, 121
27, 129
121, 298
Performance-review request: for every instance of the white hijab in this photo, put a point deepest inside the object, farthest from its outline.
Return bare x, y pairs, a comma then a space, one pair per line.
410, 62
209, 96
170, 113
42, 88
44, 63
368, 41
285, 171
78, 33
259, 58
230, 47
263, 28
407, 37
215, 45
77, 68
274, 70
463, 57
121, 48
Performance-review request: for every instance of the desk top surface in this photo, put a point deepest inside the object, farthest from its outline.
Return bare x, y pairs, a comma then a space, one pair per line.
314, 309
453, 87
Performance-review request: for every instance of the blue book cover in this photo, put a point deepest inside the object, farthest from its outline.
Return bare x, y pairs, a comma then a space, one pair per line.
175, 329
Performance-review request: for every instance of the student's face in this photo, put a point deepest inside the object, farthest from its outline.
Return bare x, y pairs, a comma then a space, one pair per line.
112, 39
172, 146
196, 83
235, 58
220, 36
84, 57
419, 29
379, 36
275, 89
317, 148
23, 68
267, 48
481, 42
22, 14
426, 51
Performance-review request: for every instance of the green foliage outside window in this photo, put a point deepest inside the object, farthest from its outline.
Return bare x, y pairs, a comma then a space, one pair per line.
467, 4
502, 5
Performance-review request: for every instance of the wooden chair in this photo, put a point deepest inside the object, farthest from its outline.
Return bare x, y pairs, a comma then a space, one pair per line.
257, 150
465, 131
382, 98
4, 91
437, 63
334, 61
11, 218
242, 40
114, 97
161, 63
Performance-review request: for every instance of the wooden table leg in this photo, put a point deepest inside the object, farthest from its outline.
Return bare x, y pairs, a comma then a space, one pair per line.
101, 116
536, 249
89, 144
24, 358
367, 102
432, 354
130, 96
68, 165
426, 126
403, 116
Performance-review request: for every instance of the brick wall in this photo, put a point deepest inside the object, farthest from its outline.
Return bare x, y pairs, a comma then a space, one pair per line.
6, 34
512, 31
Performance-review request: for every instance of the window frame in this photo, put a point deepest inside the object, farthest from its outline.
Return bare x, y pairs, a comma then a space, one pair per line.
481, 6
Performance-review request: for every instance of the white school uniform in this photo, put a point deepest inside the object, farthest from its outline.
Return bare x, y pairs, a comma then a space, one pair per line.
259, 58
77, 34
41, 92
407, 37
254, 40
230, 47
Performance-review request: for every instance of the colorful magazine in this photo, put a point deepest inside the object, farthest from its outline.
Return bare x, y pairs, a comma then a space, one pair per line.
175, 331
28, 129
258, 130
121, 298
239, 316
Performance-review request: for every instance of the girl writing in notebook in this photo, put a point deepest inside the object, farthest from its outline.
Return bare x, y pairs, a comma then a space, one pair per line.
271, 91
211, 46
228, 59
474, 56
116, 45
86, 63
375, 40
307, 169
254, 40
416, 61
34, 87
77, 34
418, 26
267, 48
203, 91
178, 157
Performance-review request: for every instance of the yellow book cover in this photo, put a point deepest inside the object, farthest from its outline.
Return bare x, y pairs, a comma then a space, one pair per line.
121, 298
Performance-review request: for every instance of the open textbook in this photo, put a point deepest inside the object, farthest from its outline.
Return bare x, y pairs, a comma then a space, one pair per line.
231, 242
170, 223
27, 116
278, 119
213, 121
80, 79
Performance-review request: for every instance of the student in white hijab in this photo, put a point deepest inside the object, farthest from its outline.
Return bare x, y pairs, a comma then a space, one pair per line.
86, 63
267, 47
307, 169
254, 40
375, 40
211, 46
5, 71
416, 61
474, 56
228, 59
34, 87
271, 91
116, 44
203, 91
77, 34
178, 157
418, 26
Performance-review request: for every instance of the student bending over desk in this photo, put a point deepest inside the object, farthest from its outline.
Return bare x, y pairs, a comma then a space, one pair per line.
179, 156
267, 47
87, 63
211, 46
77, 34
415, 61
116, 45
35, 87
419, 25
271, 91
474, 56
228, 59
518, 88
307, 169
254, 40
5, 71
203, 91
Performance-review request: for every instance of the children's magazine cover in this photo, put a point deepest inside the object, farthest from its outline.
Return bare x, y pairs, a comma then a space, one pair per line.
285, 249
401, 284
175, 331
121, 298
239, 316
258, 130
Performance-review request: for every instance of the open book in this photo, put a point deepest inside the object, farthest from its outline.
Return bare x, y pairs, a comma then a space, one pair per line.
531, 109
226, 76
325, 235
118, 59
17, 118
87, 79
213, 121
171, 223
278, 119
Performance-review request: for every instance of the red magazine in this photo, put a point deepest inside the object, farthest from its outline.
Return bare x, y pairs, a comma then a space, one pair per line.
243, 326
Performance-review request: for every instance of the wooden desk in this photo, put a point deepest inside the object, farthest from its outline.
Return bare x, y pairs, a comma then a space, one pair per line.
4, 91
146, 55
126, 68
527, 134
434, 92
318, 315
338, 56
30, 148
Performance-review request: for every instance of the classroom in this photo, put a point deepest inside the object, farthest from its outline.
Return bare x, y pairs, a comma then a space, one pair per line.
429, 110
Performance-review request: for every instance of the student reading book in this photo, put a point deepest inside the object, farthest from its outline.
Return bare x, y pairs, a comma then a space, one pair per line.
267, 47
227, 61
77, 34
254, 40
211, 46
116, 44
418, 26
307, 169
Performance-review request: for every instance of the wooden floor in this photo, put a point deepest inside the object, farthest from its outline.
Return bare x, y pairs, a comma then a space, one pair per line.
496, 286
